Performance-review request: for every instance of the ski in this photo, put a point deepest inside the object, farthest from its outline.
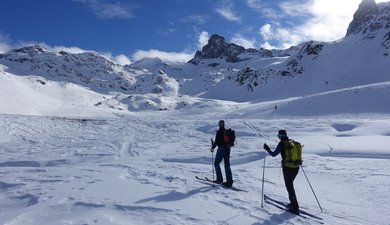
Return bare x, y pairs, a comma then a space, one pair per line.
211, 182
279, 206
283, 204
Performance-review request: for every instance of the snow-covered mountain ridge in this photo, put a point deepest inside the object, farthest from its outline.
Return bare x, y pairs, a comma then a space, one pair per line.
217, 47
221, 70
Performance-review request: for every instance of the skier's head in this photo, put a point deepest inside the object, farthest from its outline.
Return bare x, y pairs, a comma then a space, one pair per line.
282, 135
221, 123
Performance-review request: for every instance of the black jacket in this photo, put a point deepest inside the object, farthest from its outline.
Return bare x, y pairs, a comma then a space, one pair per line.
219, 139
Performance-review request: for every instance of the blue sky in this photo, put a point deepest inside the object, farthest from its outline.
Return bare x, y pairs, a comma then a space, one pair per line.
127, 30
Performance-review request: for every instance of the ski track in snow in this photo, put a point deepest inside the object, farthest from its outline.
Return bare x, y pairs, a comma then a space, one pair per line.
140, 170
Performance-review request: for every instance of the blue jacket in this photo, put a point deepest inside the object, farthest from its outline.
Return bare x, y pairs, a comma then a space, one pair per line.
278, 150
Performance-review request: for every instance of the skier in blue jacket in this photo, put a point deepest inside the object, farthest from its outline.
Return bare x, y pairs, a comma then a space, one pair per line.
289, 172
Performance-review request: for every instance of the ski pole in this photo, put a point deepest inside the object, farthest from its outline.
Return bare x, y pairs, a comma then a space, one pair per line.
212, 166
312, 189
262, 185
212, 160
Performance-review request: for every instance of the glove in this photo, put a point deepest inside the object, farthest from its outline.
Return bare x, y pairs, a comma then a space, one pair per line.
266, 147
211, 150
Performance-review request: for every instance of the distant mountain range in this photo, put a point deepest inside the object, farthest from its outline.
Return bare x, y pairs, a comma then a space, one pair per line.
220, 71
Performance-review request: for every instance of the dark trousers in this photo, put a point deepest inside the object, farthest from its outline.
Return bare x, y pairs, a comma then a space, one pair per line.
289, 175
225, 155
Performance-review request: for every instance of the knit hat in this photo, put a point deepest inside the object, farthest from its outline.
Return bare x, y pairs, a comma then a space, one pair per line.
282, 133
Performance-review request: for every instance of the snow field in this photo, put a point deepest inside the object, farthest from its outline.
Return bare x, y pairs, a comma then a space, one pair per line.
140, 170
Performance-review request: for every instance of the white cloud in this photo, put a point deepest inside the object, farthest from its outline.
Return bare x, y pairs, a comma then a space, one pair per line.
104, 9
267, 45
238, 39
203, 39
5, 46
322, 20
118, 59
266, 31
226, 11
165, 56
122, 60
284, 38
183, 56
327, 20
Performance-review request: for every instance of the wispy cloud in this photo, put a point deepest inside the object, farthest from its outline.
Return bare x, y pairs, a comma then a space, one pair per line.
255, 4
196, 18
106, 10
267, 9
166, 31
240, 40
166, 56
5, 45
226, 10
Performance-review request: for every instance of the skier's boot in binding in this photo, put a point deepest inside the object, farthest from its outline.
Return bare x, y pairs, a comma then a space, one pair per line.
292, 209
226, 184
218, 182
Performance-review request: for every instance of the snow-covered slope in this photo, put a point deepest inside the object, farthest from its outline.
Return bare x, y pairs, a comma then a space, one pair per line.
141, 170
34, 95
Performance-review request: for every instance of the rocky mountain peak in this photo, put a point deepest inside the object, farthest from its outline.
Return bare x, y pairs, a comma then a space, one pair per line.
366, 11
217, 47
217, 41
29, 50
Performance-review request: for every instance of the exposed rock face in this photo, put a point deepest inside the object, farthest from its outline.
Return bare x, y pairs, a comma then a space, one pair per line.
217, 47
366, 11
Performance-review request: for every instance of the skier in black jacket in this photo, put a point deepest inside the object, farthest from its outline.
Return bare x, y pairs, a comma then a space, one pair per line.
223, 152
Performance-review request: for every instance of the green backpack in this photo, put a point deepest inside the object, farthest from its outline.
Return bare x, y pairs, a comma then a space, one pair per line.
292, 154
